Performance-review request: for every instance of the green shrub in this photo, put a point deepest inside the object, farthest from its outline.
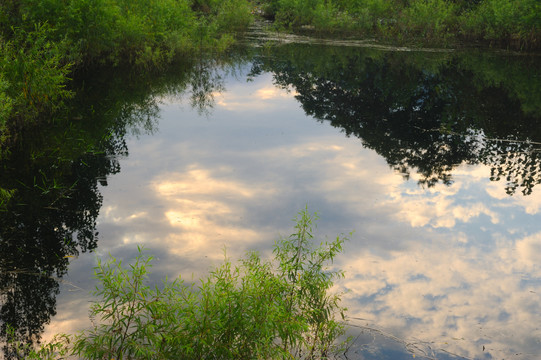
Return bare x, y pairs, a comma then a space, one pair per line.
431, 19
32, 75
5, 196
56, 349
375, 15
295, 13
38, 38
138, 31
328, 17
253, 310
504, 20
378, 9
6, 102
435, 21
234, 15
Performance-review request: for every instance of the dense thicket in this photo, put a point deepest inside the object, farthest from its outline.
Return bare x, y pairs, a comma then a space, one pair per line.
42, 41
515, 23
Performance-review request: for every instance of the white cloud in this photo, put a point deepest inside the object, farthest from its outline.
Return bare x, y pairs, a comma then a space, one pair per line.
529, 250
259, 98
531, 203
455, 297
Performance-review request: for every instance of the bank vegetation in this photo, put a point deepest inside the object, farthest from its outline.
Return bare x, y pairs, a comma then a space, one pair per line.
512, 24
43, 42
256, 309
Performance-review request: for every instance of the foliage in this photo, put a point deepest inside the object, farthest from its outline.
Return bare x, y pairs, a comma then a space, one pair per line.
253, 310
5, 196
233, 15
6, 102
505, 20
55, 349
307, 301
430, 18
32, 76
43, 41
113, 31
516, 23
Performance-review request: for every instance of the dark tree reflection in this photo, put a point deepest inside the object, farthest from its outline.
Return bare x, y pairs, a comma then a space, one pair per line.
426, 113
52, 171
51, 217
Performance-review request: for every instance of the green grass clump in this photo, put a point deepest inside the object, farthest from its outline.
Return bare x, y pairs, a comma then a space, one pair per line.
258, 309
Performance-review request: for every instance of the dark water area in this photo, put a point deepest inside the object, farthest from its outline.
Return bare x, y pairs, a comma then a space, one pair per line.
432, 158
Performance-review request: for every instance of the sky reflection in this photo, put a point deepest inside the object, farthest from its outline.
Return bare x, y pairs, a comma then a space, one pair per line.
447, 267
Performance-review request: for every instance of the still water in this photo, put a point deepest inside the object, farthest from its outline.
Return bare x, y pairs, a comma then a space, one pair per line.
431, 158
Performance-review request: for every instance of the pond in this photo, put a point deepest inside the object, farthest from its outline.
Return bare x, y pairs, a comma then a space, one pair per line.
431, 158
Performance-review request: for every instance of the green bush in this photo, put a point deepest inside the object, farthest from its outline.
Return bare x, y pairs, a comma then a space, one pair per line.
234, 15
6, 101
5, 196
504, 20
328, 17
430, 19
295, 13
39, 38
378, 9
375, 16
253, 310
517, 23
138, 31
32, 75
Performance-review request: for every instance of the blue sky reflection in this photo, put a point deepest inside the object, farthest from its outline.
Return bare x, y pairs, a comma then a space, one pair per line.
449, 267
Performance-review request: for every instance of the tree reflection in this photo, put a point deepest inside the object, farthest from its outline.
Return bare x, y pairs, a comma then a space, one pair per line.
425, 113
53, 170
51, 173
50, 218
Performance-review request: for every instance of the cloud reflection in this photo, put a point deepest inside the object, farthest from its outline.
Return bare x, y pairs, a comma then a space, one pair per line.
529, 250
450, 298
450, 266
264, 97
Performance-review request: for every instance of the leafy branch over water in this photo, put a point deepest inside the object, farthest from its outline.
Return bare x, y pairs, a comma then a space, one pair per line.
256, 309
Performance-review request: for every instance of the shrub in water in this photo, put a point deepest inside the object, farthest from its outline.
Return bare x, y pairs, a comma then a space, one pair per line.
253, 310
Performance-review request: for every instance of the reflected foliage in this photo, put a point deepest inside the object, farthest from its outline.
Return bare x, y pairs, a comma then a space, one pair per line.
424, 112
50, 173
50, 218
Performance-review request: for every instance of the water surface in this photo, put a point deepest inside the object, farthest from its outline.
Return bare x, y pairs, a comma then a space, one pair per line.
432, 159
